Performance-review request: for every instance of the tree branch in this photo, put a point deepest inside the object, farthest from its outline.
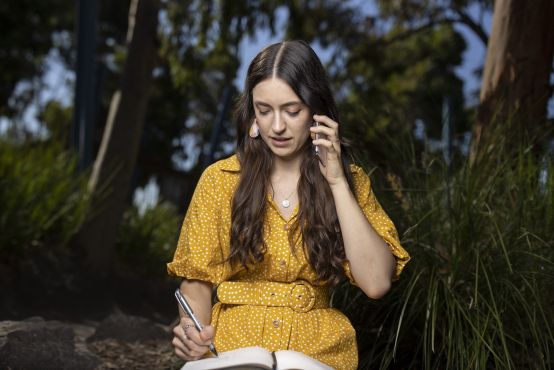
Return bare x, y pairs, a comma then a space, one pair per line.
414, 31
463, 18
476, 28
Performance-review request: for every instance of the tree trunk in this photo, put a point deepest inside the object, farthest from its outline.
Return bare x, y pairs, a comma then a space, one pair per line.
515, 87
113, 169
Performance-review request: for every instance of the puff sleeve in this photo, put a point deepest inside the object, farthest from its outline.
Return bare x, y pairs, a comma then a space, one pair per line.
378, 219
199, 253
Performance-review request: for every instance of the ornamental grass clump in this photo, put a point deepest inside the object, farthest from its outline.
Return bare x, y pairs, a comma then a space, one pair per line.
477, 292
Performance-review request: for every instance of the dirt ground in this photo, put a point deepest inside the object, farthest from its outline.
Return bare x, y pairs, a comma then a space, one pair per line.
53, 317
118, 342
140, 355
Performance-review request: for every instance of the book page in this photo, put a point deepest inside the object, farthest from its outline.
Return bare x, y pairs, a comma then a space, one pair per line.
292, 360
251, 358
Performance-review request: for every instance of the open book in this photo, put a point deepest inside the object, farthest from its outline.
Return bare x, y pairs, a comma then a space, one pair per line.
257, 358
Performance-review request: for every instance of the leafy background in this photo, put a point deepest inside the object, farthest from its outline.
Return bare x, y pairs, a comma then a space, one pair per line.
475, 294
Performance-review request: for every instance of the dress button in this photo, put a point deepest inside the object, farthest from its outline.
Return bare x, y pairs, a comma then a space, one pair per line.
283, 263
276, 323
286, 226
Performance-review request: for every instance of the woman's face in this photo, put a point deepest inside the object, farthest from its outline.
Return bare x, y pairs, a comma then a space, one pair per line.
283, 119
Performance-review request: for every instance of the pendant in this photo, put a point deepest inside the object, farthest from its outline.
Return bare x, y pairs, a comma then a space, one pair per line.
285, 203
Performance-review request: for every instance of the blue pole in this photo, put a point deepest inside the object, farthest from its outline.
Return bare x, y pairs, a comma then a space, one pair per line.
85, 97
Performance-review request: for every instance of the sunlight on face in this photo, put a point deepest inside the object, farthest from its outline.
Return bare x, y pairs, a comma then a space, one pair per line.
283, 119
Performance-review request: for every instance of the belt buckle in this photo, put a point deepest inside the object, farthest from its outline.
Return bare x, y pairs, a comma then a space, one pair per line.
302, 296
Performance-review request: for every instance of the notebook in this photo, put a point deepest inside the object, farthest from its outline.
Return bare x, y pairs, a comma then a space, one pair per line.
257, 358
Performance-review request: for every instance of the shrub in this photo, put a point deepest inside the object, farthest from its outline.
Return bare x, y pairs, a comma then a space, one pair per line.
147, 240
42, 199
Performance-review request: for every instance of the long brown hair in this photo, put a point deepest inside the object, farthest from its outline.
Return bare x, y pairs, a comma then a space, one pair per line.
297, 64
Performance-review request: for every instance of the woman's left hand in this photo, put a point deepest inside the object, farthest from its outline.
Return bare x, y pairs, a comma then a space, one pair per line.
329, 148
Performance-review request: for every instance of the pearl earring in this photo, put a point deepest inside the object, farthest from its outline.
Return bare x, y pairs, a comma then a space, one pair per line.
254, 131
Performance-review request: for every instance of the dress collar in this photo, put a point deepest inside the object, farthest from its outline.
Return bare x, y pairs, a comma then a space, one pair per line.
230, 164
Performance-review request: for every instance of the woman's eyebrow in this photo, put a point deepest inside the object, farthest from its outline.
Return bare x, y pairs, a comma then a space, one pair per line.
284, 105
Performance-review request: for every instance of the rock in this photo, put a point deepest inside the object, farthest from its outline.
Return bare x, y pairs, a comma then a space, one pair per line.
44, 348
82, 332
118, 342
127, 328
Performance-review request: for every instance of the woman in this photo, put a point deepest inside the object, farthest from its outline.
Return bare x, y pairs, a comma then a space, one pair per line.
276, 225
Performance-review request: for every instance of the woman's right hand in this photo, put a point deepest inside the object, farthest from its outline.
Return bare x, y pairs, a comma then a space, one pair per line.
189, 343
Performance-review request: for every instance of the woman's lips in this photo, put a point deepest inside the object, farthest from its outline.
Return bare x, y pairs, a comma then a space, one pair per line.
280, 141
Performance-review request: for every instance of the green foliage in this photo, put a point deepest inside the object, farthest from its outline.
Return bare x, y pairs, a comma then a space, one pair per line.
380, 76
476, 293
57, 120
42, 200
147, 239
393, 82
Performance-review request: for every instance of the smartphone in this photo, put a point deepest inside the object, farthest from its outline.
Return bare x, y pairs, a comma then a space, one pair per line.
316, 147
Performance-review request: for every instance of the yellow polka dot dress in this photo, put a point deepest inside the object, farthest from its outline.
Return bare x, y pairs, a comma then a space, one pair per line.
278, 304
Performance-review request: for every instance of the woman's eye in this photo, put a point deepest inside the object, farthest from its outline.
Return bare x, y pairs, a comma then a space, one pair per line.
293, 114
263, 113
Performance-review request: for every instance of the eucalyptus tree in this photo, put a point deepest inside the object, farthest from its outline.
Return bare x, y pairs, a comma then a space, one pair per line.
517, 78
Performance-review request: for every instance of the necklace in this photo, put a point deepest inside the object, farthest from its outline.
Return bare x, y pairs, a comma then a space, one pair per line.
285, 202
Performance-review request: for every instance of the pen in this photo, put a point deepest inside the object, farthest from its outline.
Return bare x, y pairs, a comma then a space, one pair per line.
188, 310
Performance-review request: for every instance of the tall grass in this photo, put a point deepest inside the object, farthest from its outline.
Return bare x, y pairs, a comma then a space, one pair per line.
477, 293
41, 198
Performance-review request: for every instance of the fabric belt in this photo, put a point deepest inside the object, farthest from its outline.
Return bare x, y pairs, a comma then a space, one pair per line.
299, 295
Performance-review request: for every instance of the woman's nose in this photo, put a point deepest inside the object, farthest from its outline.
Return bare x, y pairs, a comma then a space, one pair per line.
278, 124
